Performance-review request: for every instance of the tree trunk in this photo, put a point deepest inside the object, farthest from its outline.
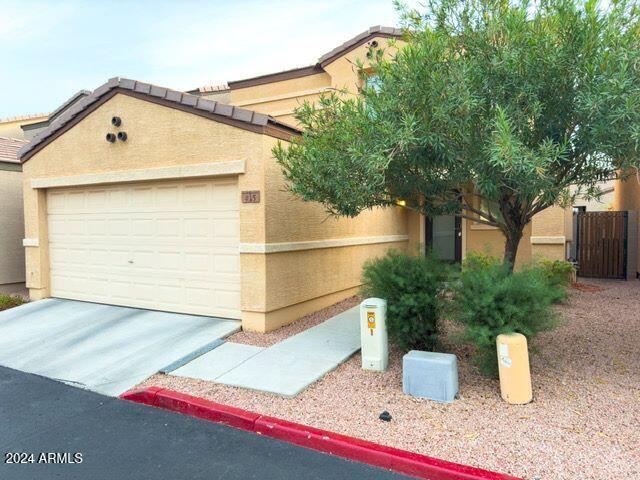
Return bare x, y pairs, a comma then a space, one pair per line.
511, 247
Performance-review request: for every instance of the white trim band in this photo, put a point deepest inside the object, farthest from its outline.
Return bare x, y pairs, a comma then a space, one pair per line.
30, 242
164, 173
559, 240
317, 244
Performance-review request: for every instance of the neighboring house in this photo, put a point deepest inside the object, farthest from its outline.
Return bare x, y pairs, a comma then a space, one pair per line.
12, 127
627, 198
188, 211
11, 217
27, 126
604, 203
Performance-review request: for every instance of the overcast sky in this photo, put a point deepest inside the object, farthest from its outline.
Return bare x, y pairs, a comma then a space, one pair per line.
51, 49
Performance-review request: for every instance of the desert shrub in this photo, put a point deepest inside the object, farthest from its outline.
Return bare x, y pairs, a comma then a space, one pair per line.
488, 300
558, 272
412, 286
9, 301
480, 260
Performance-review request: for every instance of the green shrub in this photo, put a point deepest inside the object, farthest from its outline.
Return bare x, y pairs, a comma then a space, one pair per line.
477, 261
8, 301
487, 300
558, 272
412, 287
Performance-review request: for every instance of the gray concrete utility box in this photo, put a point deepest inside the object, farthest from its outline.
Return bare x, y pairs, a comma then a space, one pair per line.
430, 375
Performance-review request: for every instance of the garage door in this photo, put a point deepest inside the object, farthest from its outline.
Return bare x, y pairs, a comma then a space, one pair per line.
165, 246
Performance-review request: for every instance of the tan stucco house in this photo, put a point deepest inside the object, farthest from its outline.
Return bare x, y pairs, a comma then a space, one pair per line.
143, 196
11, 217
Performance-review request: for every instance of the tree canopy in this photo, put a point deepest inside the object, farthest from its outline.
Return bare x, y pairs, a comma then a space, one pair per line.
489, 109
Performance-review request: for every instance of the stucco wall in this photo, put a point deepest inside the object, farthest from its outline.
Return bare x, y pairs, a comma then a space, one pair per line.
627, 194
343, 71
281, 98
11, 128
627, 197
605, 202
320, 274
544, 237
550, 230
487, 240
12, 227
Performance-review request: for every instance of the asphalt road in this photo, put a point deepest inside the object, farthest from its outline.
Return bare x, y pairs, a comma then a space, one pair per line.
123, 440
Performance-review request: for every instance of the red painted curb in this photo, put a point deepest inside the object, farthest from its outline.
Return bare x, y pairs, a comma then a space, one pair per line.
400, 461
206, 409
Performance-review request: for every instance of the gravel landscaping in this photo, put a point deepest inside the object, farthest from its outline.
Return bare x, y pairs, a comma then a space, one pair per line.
10, 301
584, 422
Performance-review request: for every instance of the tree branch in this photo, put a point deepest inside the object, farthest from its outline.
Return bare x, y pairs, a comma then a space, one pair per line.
486, 215
478, 220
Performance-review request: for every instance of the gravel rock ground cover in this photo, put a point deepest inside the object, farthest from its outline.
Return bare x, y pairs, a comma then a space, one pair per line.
584, 422
271, 338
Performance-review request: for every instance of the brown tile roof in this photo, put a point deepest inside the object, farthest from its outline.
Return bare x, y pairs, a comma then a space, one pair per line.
56, 113
276, 77
318, 67
9, 149
220, 112
70, 101
211, 89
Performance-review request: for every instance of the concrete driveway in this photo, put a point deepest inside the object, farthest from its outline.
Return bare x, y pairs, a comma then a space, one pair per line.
102, 348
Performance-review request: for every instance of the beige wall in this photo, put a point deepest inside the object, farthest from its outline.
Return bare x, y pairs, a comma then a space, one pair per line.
627, 197
11, 128
546, 236
604, 203
490, 241
277, 287
298, 282
627, 194
12, 227
343, 71
281, 98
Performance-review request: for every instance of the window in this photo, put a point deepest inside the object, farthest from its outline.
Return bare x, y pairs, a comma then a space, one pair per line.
373, 82
486, 206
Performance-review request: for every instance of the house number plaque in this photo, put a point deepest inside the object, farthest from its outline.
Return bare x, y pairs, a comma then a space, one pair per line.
251, 196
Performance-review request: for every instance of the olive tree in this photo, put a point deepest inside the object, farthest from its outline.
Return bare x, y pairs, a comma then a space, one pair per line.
489, 110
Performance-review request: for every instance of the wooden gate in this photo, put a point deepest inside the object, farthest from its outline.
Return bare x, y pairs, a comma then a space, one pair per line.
602, 244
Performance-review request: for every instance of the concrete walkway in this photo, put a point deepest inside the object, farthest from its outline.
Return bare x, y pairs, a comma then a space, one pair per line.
285, 368
102, 348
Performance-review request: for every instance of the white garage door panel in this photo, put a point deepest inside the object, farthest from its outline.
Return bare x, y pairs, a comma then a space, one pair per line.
165, 246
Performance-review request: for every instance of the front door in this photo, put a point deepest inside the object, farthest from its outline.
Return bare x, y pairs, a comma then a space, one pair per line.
443, 236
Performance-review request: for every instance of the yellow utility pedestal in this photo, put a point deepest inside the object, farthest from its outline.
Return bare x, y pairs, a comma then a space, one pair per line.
513, 364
